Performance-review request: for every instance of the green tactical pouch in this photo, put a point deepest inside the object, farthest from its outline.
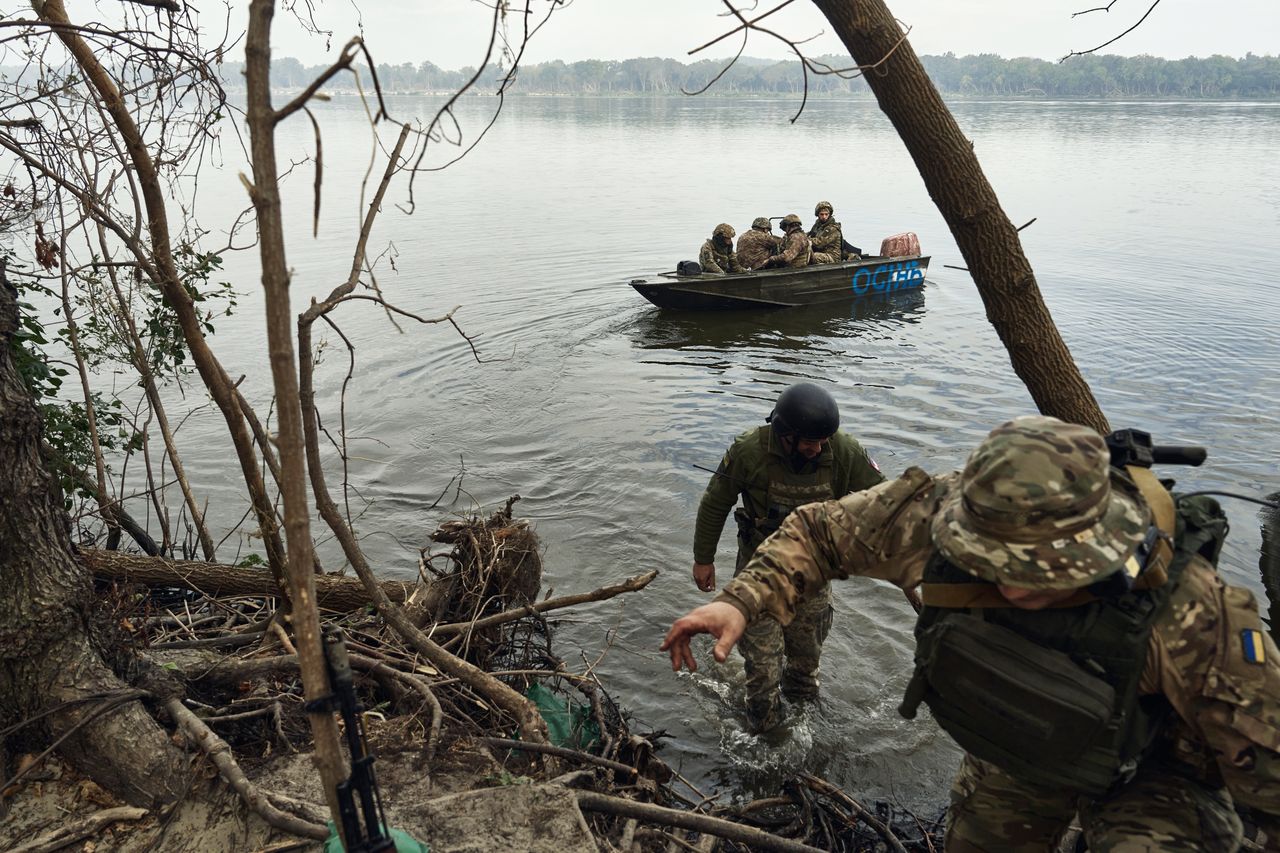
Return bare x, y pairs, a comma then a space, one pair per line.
1029, 710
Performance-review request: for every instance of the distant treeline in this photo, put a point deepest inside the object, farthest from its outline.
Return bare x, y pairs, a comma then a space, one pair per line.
1090, 76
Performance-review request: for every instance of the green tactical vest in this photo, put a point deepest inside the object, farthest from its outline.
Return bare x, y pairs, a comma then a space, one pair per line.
1051, 696
784, 491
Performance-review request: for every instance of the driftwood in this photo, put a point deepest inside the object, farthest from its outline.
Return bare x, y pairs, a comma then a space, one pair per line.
220, 753
756, 838
69, 833
218, 579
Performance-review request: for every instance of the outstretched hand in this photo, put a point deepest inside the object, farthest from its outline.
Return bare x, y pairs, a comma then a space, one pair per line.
719, 619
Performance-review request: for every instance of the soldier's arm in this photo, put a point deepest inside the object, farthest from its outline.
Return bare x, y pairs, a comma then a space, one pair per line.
717, 502
707, 260
734, 265
862, 472
882, 532
1216, 664
791, 248
865, 472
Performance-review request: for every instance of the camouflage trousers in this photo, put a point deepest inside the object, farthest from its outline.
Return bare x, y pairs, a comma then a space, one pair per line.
1159, 809
823, 258
786, 658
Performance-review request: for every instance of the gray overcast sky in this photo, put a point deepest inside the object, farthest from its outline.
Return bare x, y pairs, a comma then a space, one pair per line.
450, 33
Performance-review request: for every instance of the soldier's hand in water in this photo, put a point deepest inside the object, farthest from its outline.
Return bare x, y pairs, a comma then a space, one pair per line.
704, 575
719, 619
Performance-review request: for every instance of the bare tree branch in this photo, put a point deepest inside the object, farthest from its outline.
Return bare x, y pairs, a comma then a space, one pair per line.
1114, 40
1106, 8
807, 66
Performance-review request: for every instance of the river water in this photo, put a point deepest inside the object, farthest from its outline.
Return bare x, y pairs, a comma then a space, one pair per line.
1154, 245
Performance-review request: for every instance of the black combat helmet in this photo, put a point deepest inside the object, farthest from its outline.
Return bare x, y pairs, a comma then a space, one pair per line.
807, 411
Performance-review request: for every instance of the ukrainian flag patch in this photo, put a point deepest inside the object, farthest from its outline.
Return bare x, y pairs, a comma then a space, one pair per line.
1251, 642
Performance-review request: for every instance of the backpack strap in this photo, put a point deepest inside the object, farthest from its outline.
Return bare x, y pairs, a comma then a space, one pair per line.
1162, 514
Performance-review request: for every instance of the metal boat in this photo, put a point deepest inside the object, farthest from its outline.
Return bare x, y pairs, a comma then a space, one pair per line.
785, 287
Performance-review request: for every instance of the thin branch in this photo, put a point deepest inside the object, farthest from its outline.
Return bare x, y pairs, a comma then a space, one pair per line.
755, 838
315, 215
631, 584
343, 63
807, 65
1114, 40
1106, 8
746, 25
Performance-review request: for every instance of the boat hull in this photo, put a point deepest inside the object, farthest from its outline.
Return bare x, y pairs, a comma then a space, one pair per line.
786, 287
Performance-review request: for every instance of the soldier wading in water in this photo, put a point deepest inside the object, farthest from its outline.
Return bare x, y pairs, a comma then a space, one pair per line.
1076, 641
798, 457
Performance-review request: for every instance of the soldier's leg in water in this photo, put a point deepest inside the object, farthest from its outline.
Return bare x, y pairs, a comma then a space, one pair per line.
761, 646
1162, 810
802, 641
991, 812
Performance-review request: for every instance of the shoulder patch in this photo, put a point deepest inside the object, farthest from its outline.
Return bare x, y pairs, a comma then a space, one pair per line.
1252, 647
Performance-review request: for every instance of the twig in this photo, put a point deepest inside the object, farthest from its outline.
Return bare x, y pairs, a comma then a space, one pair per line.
263, 711
560, 752
1106, 8
1114, 40
758, 839
629, 585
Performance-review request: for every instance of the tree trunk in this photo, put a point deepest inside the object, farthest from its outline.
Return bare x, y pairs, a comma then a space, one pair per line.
987, 239
265, 194
46, 654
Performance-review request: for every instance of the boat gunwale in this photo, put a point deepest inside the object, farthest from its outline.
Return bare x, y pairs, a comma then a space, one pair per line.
672, 277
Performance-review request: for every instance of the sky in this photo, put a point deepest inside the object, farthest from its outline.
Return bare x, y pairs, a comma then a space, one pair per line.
452, 33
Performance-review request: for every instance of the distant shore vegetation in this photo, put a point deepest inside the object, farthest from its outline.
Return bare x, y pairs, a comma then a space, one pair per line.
1088, 76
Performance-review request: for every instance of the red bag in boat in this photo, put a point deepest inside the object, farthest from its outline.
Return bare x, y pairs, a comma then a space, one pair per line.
900, 245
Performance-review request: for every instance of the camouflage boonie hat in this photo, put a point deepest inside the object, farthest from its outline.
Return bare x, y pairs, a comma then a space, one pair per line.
761, 222
817, 208
1035, 508
791, 219
725, 230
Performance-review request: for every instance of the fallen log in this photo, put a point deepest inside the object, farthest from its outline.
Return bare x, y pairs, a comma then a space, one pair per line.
333, 592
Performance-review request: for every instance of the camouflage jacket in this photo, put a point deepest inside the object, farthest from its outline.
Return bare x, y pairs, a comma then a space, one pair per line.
755, 247
713, 260
1226, 700
795, 249
744, 470
827, 237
